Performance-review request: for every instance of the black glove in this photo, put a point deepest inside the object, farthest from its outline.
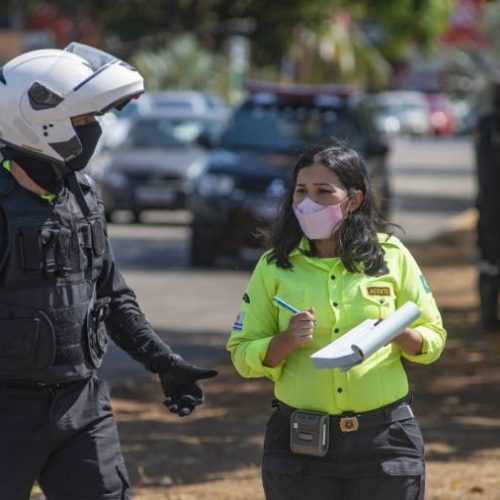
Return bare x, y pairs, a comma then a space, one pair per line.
181, 387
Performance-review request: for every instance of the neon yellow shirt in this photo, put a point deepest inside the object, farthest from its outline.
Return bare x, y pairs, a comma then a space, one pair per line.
47, 197
341, 300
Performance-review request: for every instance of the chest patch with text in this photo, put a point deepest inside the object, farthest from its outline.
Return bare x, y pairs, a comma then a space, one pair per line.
379, 291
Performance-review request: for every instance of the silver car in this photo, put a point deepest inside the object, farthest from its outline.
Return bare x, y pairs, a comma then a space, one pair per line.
152, 167
401, 112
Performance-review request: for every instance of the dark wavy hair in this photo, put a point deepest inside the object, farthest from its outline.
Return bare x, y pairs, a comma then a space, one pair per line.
357, 242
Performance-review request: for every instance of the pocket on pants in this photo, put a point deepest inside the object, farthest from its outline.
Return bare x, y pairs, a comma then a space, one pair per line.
277, 456
403, 475
401, 481
408, 433
277, 436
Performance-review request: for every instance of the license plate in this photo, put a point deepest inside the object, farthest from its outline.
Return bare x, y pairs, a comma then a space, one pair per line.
154, 195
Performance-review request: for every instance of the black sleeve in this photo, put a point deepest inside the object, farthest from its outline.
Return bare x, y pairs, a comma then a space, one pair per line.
3, 237
126, 323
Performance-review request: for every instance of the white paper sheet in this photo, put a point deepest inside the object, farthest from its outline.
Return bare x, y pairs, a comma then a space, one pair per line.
363, 340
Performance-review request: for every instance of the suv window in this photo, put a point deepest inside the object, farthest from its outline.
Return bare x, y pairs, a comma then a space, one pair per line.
288, 127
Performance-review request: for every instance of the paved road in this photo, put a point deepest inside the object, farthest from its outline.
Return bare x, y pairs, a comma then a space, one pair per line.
432, 183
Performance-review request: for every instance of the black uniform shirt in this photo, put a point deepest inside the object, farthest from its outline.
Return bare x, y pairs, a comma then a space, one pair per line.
3, 235
125, 323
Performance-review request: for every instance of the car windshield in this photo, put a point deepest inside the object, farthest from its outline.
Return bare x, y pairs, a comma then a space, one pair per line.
288, 127
165, 133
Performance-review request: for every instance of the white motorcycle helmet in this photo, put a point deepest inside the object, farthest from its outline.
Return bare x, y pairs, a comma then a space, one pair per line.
40, 91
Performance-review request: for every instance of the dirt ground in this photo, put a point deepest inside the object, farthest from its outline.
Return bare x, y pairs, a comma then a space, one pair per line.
215, 453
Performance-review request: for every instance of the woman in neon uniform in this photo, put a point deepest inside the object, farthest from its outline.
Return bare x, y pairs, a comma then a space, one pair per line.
332, 258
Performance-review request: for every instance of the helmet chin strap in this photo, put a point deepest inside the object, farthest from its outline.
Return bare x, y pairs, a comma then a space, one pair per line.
75, 188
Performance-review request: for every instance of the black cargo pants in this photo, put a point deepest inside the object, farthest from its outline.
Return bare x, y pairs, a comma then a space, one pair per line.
65, 437
382, 460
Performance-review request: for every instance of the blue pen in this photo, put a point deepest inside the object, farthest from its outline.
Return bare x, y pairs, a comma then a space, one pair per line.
285, 305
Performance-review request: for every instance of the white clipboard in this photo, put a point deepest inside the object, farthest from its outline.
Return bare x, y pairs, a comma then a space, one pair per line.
366, 338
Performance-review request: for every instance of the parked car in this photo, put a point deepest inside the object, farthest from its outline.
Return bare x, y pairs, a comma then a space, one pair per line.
152, 166
171, 101
187, 101
401, 112
246, 174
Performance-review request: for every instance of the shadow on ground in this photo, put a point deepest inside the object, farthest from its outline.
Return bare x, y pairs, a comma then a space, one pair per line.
456, 399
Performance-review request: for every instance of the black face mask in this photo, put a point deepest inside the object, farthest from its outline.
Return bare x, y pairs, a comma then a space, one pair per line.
89, 137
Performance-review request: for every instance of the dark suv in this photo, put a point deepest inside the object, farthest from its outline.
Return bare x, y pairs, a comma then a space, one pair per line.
246, 174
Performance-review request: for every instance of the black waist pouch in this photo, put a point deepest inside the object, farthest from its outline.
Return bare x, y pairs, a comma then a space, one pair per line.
26, 344
309, 433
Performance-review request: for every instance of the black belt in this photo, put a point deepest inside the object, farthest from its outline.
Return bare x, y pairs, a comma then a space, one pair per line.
34, 386
350, 421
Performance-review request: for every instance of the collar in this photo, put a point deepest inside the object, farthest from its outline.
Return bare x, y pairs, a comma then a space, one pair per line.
303, 246
47, 197
327, 263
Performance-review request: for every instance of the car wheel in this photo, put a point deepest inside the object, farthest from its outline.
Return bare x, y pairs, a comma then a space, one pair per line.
202, 251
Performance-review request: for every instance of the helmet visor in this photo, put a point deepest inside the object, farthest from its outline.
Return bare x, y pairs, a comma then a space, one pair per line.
97, 60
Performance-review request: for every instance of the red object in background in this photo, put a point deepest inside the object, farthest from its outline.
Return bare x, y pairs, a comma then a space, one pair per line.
47, 16
442, 119
463, 25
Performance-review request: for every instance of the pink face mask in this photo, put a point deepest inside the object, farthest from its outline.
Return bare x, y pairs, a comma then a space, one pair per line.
318, 222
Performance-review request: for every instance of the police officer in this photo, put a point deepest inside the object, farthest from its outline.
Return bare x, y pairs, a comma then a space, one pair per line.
60, 290
487, 142
334, 434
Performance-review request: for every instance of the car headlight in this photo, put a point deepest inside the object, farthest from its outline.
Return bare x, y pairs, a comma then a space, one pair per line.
215, 185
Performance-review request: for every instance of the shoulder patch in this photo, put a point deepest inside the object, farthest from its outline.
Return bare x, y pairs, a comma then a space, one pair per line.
238, 323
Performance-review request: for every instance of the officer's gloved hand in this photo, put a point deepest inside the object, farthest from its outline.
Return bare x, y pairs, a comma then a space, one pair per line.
181, 387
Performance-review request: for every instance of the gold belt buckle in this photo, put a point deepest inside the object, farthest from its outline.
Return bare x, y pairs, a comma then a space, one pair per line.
349, 424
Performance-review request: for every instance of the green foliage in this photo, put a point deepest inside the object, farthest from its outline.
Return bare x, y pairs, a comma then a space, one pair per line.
133, 19
182, 64
491, 23
274, 22
277, 30
339, 53
405, 22
147, 27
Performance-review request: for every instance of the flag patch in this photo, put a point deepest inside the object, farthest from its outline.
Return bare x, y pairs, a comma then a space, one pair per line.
238, 324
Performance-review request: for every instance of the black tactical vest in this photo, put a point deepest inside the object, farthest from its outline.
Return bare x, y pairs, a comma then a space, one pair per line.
50, 322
